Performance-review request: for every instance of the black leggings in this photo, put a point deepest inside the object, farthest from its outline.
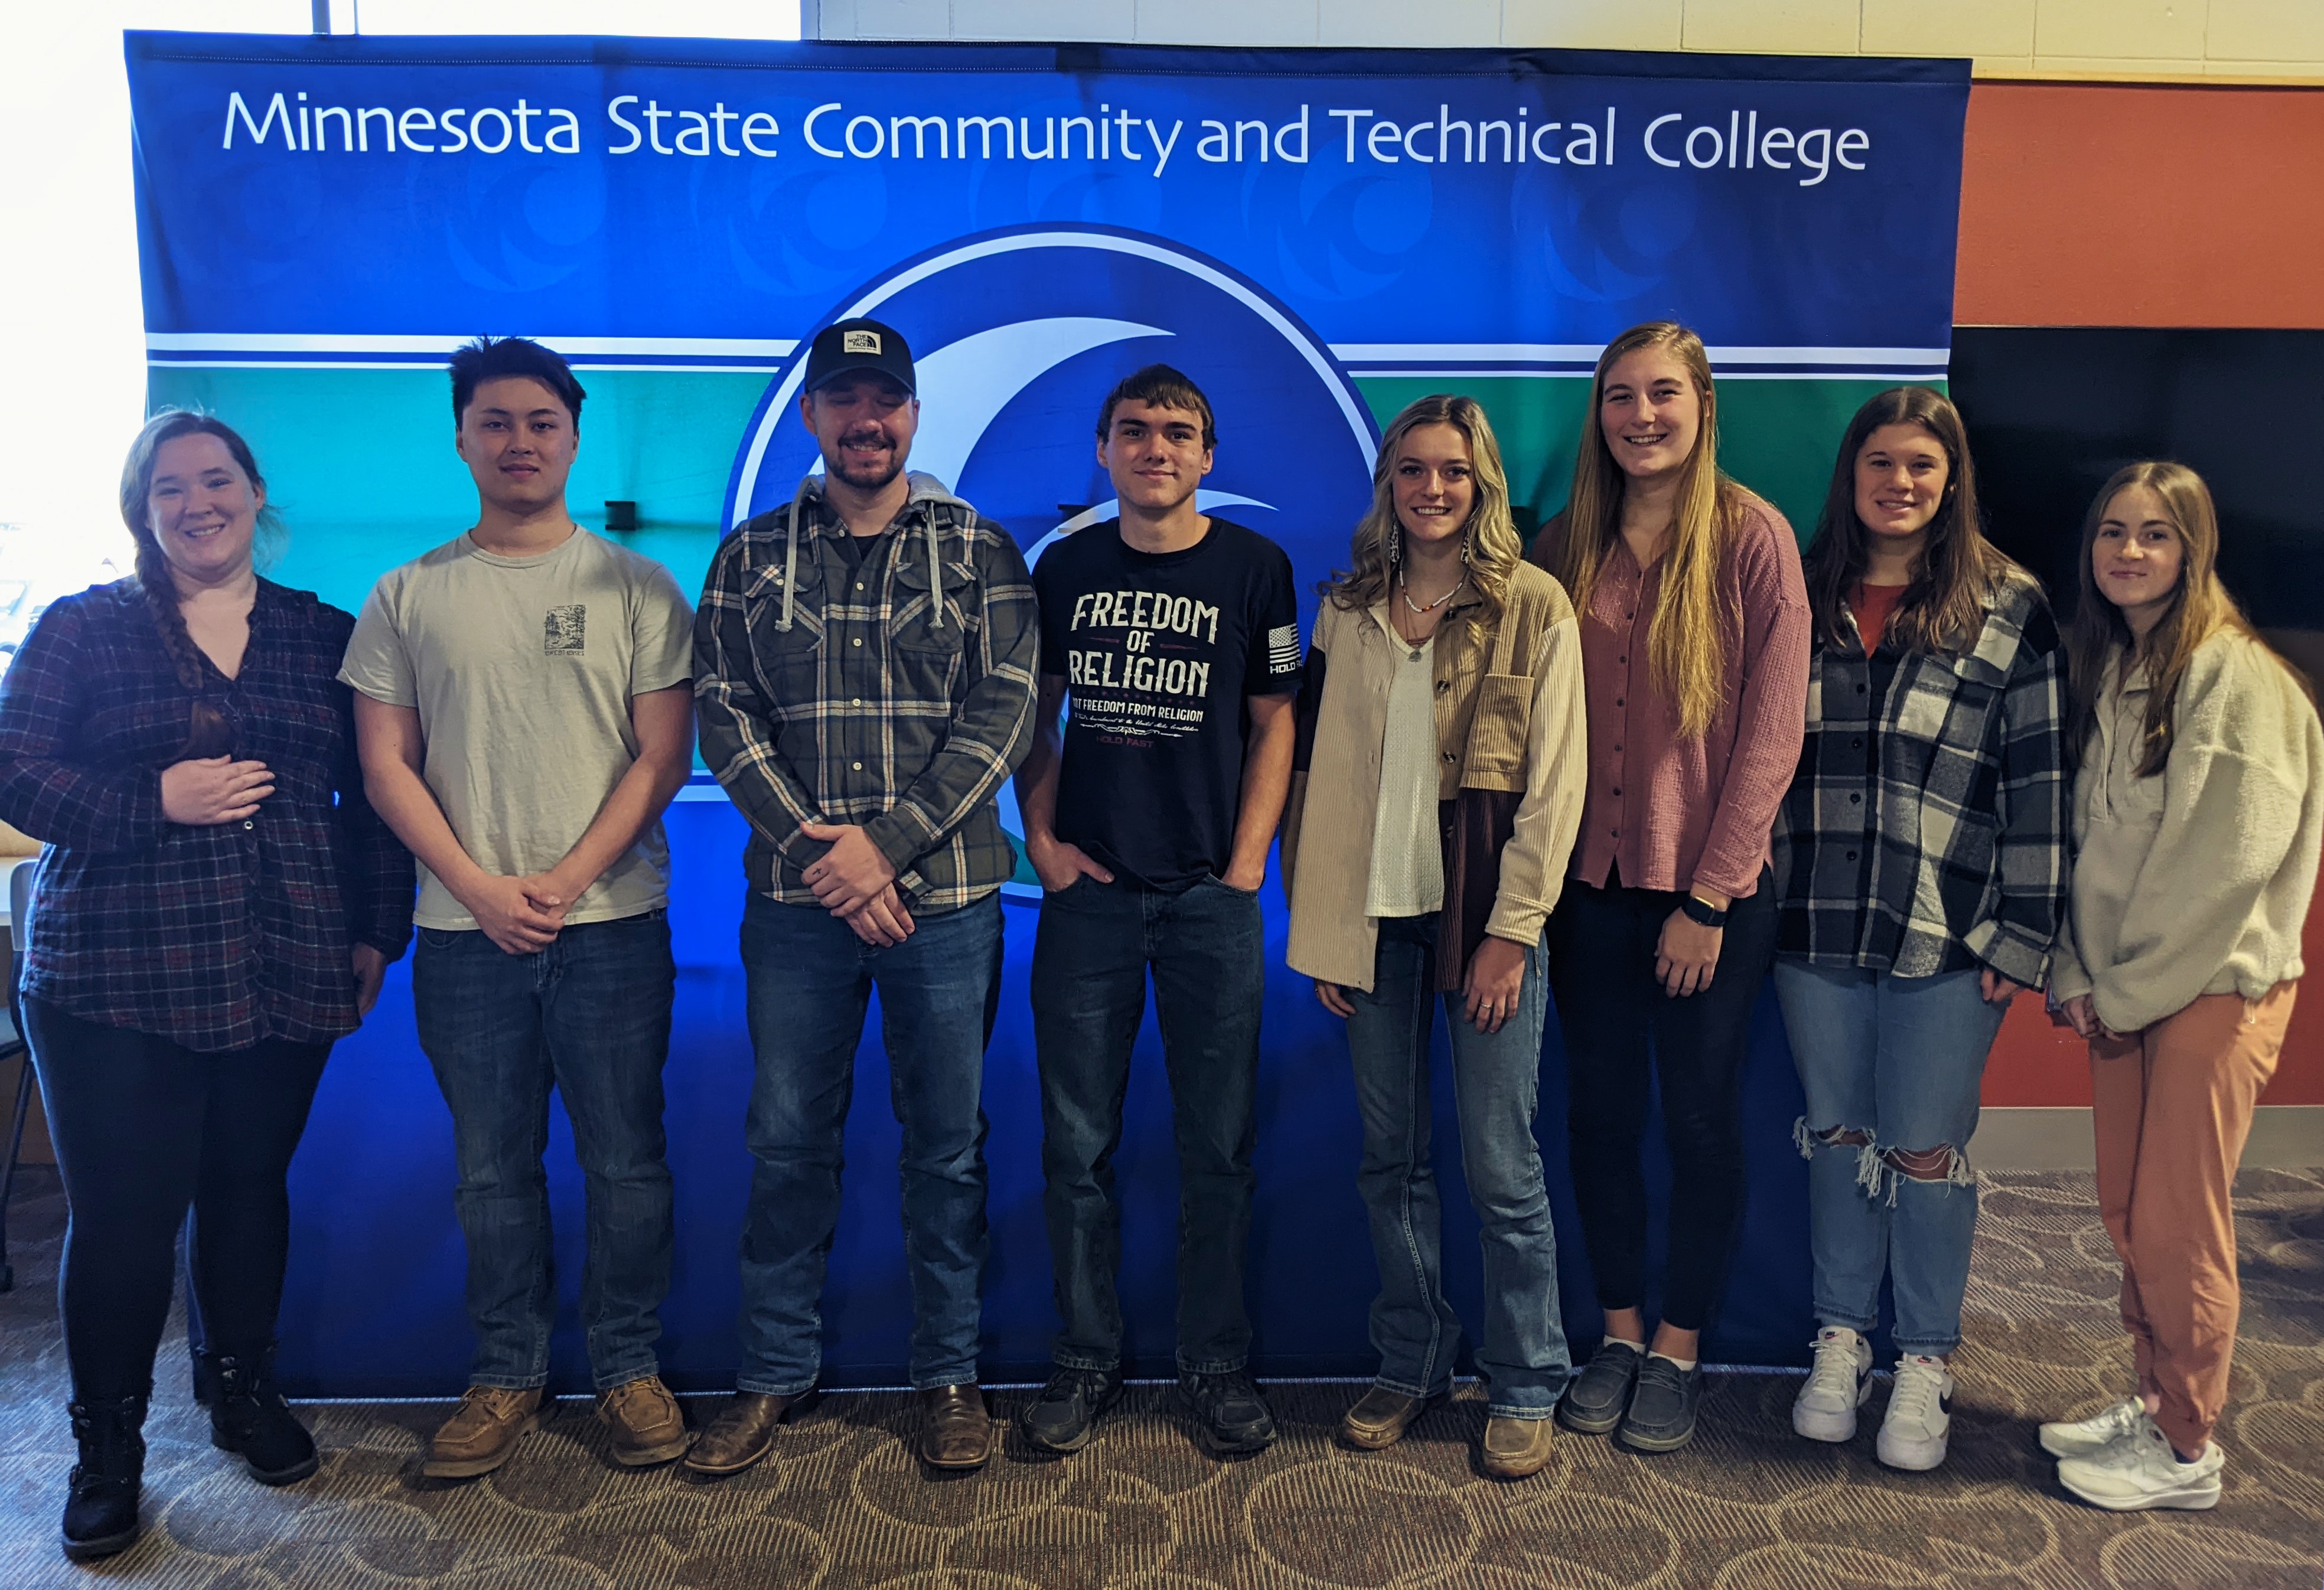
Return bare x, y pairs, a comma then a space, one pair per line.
1616, 1021
144, 1129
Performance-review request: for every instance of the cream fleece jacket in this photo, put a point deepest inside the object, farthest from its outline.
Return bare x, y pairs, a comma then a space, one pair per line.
2195, 880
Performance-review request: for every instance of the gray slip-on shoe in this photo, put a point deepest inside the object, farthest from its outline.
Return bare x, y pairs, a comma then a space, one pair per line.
1595, 1397
1662, 1408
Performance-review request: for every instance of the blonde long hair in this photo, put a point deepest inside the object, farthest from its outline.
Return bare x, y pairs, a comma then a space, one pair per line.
1688, 639
2199, 609
1494, 547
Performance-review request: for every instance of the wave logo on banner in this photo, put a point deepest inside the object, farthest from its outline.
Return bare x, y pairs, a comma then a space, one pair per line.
1017, 337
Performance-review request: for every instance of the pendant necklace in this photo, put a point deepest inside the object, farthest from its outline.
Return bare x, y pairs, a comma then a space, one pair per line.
1405, 589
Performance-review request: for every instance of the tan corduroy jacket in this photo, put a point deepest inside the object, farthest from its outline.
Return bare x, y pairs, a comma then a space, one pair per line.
1512, 769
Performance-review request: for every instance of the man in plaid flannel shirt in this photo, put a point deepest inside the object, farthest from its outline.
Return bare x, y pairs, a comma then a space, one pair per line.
864, 679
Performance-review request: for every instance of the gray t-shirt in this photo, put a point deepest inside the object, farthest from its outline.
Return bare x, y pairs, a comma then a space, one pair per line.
522, 670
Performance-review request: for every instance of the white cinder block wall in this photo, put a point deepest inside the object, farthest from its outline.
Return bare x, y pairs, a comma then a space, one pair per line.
2168, 39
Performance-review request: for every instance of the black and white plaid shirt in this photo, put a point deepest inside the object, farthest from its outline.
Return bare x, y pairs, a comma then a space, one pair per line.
846, 689
1926, 831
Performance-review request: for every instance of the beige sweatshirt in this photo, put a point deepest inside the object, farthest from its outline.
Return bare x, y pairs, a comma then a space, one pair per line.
2195, 880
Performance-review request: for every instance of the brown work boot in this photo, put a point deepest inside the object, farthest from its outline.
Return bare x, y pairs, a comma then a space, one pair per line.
743, 1433
648, 1429
955, 1427
482, 1431
1380, 1417
1516, 1448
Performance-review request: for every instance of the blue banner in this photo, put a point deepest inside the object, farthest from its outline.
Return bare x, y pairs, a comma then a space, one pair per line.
1317, 236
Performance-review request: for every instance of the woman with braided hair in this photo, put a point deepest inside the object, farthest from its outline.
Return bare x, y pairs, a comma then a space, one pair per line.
216, 906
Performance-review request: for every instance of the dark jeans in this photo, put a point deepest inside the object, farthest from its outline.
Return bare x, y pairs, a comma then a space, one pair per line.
144, 1129
588, 1015
1617, 1022
1521, 1352
810, 982
1207, 953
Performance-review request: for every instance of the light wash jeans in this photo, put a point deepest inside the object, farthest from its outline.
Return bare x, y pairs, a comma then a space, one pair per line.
1898, 1060
1496, 1086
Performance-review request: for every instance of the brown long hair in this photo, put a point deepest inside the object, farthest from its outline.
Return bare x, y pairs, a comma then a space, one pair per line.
208, 734
1687, 641
1495, 548
2200, 607
1943, 608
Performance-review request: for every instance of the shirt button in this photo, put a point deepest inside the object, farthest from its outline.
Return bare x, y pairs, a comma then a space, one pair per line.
1857, 744
1859, 689
247, 822
1851, 855
859, 640
1448, 756
859, 585
1856, 800
1618, 789
1624, 659
1618, 701
857, 702
858, 766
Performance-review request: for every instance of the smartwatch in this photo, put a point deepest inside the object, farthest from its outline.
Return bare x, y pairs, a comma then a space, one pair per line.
1702, 911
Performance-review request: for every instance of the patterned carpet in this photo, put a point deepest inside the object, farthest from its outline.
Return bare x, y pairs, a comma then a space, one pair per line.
1749, 1507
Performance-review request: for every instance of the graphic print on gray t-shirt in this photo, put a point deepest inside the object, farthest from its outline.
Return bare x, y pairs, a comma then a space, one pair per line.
1158, 651
524, 702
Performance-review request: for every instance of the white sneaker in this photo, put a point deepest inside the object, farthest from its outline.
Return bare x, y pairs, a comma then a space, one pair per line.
1825, 1408
2141, 1470
1920, 1414
2083, 1437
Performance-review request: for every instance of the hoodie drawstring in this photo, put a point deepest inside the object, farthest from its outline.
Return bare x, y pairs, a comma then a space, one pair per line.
935, 572
790, 555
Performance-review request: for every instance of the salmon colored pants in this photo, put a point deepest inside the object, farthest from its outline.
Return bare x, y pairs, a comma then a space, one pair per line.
2172, 1105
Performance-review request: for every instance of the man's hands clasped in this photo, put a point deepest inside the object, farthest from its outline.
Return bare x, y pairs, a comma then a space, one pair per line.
856, 883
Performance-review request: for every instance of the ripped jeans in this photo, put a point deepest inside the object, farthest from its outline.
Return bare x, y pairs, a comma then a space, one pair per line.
1891, 1067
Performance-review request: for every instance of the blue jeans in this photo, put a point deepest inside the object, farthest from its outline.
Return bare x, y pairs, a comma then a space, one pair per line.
1897, 1060
589, 1015
1207, 952
1496, 1086
810, 983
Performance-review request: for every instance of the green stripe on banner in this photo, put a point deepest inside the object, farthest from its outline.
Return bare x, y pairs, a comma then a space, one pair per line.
1777, 435
360, 461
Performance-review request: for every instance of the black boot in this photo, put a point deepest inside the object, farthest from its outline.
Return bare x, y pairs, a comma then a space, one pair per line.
101, 1495
251, 1419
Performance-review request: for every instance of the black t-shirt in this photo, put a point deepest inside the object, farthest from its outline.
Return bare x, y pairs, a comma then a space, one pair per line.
1158, 651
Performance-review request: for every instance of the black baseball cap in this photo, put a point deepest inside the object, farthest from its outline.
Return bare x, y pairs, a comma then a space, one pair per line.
851, 345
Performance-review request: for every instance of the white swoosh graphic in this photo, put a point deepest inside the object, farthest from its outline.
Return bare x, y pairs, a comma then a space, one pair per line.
965, 385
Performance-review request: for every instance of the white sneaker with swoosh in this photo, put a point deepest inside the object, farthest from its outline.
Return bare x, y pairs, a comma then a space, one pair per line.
1920, 1414
1839, 1384
2081, 1437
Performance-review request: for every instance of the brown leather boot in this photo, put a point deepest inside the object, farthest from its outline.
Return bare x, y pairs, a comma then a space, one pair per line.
1380, 1417
1516, 1448
648, 1429
743, 1433
482, 1431
955, 1427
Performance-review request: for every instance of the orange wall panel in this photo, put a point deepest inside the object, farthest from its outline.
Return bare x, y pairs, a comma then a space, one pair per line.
2036, 1062
2106, 205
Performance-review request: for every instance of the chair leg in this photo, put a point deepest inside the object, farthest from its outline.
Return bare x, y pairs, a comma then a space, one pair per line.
8, 1171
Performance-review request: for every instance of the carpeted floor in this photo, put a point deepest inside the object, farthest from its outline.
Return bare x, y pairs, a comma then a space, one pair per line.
1749, 1507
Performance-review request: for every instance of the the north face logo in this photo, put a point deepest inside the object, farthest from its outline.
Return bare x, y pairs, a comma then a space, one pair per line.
858, 342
